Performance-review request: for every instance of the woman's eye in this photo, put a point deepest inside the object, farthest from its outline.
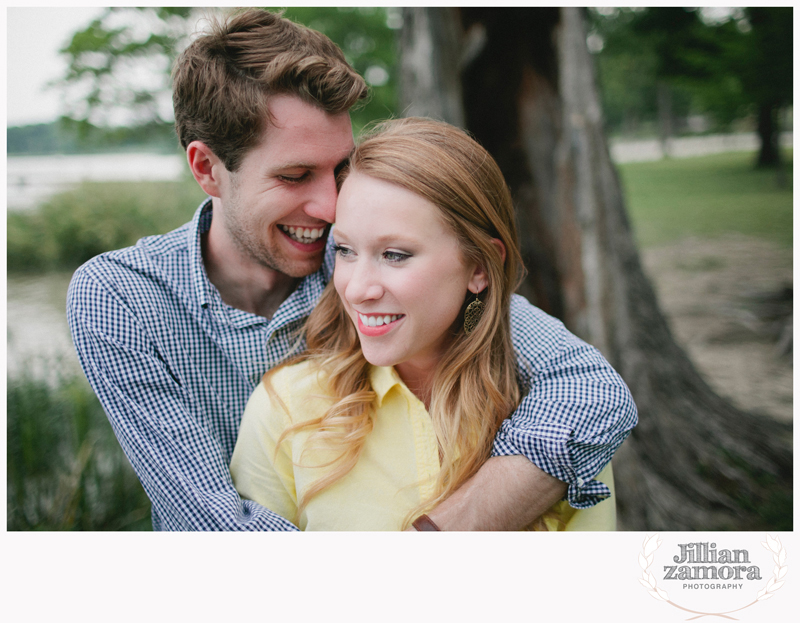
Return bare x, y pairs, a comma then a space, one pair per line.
395, 256
342, 251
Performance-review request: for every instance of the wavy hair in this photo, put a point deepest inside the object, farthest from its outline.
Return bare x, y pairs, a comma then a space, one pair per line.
475, 386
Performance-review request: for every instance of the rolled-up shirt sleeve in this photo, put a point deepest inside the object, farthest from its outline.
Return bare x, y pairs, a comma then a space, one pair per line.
577, 410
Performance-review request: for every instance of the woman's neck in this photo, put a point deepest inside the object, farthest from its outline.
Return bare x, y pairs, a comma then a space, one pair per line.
418, 377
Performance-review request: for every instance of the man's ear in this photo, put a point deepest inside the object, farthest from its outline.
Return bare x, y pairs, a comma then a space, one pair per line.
480, 279
206, 167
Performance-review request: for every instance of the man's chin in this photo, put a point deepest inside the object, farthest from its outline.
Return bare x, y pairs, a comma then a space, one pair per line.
297, 269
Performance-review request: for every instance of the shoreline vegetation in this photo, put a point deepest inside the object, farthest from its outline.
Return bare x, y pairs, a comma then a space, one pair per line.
65, 469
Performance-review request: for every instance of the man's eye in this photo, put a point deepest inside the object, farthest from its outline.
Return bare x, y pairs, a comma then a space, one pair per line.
293, 179
395, 256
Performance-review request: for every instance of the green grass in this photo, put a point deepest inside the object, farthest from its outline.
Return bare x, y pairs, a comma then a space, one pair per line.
706, 196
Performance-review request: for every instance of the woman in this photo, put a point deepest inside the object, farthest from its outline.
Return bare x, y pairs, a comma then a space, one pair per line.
409, 369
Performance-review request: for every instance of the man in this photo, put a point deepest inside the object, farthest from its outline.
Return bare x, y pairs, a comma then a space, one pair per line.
175, 333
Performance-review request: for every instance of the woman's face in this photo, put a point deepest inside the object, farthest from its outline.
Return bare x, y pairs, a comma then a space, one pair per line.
399, 271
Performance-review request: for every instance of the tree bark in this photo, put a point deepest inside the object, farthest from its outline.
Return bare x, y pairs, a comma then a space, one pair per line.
529, 95
768, 134
665, 130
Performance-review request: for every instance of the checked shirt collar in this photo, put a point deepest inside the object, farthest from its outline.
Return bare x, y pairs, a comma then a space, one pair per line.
298, 305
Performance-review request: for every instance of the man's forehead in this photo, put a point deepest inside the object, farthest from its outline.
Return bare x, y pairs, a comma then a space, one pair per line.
295, 128
289, 111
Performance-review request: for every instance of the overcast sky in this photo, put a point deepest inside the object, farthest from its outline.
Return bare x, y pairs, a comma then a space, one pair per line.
34, 37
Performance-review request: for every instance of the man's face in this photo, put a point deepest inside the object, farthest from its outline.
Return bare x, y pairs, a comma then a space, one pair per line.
277, 207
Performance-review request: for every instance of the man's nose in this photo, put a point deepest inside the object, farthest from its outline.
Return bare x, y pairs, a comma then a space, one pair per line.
322, 203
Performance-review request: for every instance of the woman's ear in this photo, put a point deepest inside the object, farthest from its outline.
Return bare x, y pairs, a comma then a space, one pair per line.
500, 247
480, 279
206, 167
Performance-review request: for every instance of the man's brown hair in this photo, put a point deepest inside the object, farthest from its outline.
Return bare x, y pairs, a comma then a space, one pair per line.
223, 81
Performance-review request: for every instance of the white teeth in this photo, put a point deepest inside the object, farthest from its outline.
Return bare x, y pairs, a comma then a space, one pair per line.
303, 234
377, 321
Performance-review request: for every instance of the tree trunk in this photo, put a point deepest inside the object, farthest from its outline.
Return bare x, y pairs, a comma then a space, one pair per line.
665, 131
768, 134
529, 95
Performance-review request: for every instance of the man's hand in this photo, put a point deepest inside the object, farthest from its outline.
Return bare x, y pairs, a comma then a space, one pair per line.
507, 493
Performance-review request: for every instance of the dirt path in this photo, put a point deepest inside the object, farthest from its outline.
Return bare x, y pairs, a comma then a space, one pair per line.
717, 295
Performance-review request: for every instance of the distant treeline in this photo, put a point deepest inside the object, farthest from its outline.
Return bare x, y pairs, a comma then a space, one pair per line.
68, 137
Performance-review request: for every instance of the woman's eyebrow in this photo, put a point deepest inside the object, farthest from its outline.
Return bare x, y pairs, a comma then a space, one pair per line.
401, 238
337, 234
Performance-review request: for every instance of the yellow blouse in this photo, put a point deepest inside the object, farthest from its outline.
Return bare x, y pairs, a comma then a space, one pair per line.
394, 473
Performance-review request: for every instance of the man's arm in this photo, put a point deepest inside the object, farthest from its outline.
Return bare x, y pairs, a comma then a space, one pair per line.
575, 415
161, 428
507, 493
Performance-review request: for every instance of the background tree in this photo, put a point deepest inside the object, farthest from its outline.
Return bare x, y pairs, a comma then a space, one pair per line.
118, 78
727, 65
529, 94
765, 61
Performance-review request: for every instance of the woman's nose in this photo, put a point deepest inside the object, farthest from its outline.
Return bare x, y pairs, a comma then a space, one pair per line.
364, 284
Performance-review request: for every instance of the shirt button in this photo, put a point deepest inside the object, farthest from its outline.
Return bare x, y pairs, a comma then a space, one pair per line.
581, 482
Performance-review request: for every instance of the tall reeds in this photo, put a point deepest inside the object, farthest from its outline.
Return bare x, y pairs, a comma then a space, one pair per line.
65, 469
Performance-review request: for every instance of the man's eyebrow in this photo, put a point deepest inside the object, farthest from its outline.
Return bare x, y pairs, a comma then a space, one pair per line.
295, 165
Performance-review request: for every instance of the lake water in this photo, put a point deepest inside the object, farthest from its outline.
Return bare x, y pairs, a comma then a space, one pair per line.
31, 179
37, 334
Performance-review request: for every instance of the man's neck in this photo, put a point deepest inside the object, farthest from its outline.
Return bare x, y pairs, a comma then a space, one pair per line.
241, 282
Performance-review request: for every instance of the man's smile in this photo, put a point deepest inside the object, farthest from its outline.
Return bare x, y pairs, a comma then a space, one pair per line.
303, 235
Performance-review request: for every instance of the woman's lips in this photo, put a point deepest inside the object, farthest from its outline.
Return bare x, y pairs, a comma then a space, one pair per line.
373, 325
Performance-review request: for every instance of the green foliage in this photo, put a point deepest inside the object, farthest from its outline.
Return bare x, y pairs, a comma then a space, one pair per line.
706, 196
767, 57
104, 56
126, 41
370, 46
68, 136
724, 67
74, 226
636, 56
65, 469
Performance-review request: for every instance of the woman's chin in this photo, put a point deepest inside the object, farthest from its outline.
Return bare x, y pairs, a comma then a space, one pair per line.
379, 361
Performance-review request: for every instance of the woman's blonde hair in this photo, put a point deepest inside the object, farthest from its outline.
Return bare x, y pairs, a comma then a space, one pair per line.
475, 386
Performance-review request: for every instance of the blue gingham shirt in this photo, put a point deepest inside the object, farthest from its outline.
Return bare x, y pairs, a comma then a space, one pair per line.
174, 366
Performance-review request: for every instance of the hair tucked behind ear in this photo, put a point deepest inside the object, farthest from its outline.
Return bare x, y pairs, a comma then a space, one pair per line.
475, 386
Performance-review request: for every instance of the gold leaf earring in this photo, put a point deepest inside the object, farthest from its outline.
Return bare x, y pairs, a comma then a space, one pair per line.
472, 315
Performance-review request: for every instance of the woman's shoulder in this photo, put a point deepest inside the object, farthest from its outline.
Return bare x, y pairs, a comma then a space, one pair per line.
299, 387
304, 375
